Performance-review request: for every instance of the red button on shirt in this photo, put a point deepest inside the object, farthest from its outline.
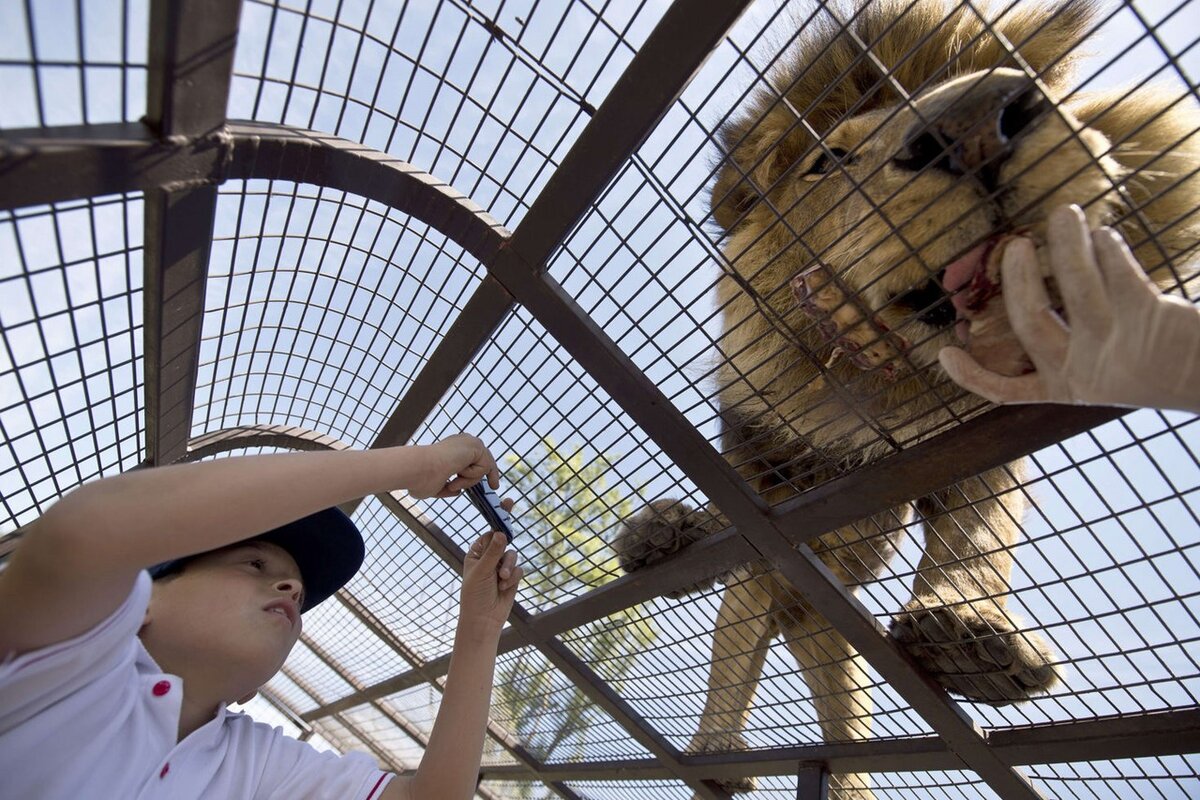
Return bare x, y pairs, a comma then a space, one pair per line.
161, 688
166, 768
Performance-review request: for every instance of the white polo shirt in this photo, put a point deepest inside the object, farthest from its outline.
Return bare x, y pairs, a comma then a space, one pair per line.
95, 717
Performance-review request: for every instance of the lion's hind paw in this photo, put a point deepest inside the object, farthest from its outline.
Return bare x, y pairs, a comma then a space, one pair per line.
975, 651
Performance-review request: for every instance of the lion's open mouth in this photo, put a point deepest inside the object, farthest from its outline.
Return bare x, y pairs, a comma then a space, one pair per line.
972, 285
982, 324
850, 327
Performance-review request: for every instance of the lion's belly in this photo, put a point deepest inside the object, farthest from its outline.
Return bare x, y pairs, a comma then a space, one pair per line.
853, 560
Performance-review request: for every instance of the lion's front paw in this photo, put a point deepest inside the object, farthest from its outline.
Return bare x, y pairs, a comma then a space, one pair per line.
723, 742
661, 529
734, 786
852, 786
975, 651
738, 785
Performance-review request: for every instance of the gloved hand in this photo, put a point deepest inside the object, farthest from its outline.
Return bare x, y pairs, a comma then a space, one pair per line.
1124, 343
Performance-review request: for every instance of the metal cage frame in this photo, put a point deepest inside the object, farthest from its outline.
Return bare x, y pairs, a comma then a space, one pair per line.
185, 148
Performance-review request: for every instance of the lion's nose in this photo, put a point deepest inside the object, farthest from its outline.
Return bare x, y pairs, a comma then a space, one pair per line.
974, 133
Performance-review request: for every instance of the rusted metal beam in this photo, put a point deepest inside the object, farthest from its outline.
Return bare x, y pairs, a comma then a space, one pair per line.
191, 53
279, 152
989, 440
178, 236
190, 68
1136, 736
812, 782
51, 165
672, 54
1154, 733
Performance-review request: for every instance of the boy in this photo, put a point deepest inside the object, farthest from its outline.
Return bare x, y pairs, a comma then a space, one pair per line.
114, 687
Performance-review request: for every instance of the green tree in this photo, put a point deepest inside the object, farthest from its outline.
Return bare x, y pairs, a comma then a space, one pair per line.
567, 508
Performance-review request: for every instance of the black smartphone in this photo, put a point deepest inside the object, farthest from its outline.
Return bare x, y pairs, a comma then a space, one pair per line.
484, 498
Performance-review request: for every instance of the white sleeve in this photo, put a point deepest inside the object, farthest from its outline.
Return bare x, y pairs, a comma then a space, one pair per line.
38, 680
292, 769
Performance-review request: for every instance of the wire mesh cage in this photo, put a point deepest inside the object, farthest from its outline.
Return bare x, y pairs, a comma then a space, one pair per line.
687, 269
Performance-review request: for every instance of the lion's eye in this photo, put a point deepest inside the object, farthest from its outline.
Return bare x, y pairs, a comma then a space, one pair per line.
826, 162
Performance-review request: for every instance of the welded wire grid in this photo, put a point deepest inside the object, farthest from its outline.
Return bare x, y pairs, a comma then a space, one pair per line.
488, 99
313, 345
72, 345
323, 308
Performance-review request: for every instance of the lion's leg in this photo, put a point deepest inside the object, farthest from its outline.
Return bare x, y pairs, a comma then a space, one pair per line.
837, 679
956, 625
743, 633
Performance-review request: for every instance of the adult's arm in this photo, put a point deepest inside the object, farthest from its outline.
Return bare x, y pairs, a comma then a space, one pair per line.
1122, 343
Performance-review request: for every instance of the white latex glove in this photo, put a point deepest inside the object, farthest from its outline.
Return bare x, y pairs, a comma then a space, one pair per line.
1127, 344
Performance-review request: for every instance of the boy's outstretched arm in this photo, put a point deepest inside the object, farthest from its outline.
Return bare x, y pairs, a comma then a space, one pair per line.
77, 562
450, 766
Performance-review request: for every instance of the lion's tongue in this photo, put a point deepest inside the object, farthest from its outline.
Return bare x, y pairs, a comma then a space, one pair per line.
973, 282
959, 274
962, 329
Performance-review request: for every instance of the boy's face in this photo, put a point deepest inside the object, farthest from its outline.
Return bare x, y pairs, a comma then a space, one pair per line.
234, 611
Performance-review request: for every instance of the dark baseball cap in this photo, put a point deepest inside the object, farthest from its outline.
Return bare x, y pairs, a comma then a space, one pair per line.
326, 546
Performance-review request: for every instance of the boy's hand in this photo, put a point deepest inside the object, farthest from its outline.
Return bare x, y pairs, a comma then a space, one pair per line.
454, 463
451, 763
1122, 343
490, 578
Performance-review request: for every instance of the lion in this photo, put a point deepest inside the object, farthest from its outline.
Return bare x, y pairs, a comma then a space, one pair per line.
863, 202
